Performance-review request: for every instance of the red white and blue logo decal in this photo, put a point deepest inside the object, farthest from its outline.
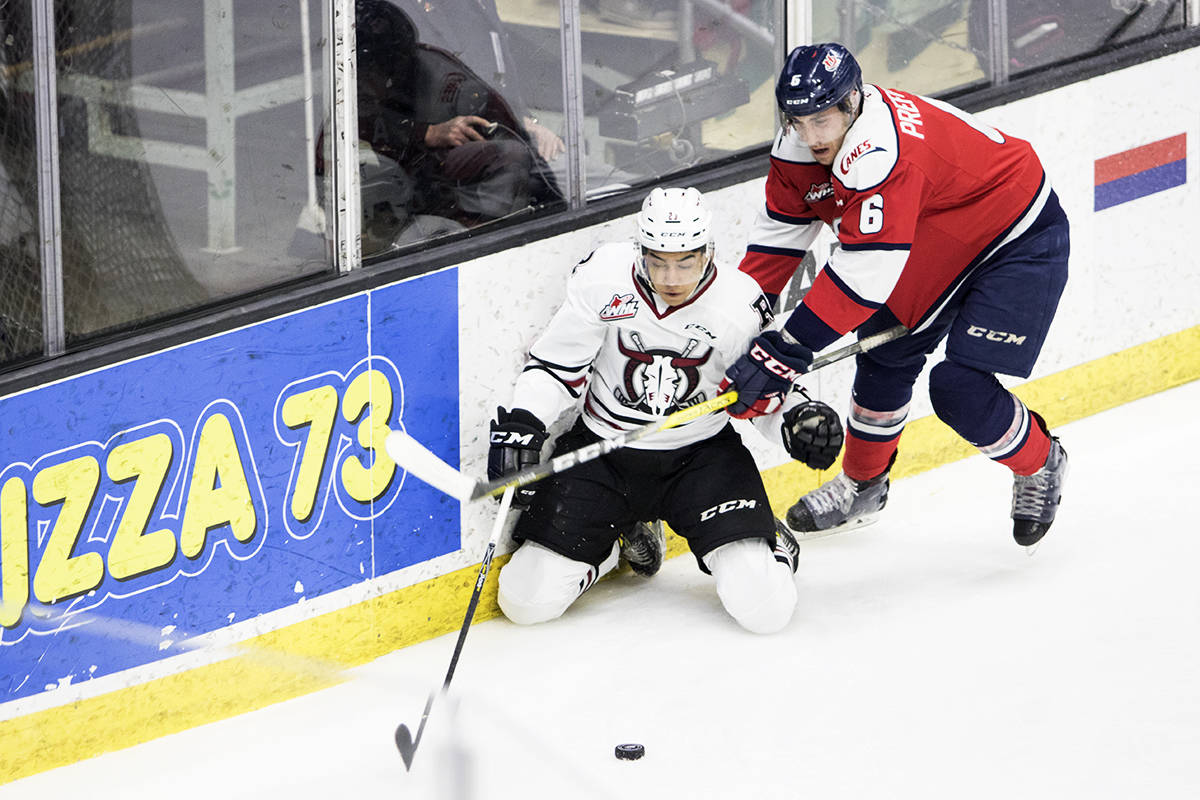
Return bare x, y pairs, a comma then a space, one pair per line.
1141, 171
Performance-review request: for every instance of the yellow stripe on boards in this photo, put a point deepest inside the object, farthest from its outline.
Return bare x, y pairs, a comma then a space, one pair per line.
292, 661
1063, 397
309, 655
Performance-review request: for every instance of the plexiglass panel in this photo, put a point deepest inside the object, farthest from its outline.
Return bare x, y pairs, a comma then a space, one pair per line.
450, 108
934, 46
1051, 31
20, 260
667, 85
920, 45
187, 153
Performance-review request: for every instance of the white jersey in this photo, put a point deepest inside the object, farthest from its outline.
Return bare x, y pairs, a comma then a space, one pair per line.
632, 358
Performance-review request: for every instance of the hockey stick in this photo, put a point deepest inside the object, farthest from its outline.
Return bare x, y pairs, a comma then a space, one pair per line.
412, 456
406, 743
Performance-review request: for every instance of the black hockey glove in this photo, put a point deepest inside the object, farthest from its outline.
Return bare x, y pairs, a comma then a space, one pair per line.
812, 433
516, 442
763, 376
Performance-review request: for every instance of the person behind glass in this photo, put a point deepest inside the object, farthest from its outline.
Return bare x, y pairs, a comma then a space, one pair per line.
472, 31
647, 328
946, 225
461, 150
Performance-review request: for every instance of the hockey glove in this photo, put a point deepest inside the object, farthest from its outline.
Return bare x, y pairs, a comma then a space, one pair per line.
812, 433
763, 376
516, 442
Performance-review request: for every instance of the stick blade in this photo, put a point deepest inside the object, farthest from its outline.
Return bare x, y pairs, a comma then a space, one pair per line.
414, 457
406, 745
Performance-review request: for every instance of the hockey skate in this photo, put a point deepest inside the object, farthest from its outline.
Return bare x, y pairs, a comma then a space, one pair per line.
1036, 497
787, 549
842, 504
643, 547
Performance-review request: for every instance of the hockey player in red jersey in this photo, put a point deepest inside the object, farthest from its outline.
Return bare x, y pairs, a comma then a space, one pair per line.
648, 328
944, 224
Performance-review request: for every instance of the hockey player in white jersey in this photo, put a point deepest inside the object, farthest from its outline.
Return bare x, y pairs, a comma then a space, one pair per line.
648, 328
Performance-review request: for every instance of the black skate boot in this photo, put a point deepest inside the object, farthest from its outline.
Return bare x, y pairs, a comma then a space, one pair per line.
787, 550
842, 504
643, 547
1036, 497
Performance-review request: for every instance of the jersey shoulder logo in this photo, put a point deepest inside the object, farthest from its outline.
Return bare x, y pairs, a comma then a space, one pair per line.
622, 306
818, 192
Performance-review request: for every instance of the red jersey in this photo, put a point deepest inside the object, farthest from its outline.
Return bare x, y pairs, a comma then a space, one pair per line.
919, 195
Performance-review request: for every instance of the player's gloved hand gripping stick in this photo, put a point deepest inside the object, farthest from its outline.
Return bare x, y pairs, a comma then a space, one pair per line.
412, 456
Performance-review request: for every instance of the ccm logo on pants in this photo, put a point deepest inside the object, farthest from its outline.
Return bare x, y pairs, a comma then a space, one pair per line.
728, 505
995, 336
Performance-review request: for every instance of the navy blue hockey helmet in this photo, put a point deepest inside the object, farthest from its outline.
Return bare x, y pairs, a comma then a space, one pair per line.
815, 77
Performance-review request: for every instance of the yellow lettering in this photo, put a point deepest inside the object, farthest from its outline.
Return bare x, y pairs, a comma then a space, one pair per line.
60, 574
14, 551
219, 493
316, 408
370, 392
145, 462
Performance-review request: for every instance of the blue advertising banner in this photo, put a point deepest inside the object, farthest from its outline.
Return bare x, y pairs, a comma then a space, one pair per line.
198, 487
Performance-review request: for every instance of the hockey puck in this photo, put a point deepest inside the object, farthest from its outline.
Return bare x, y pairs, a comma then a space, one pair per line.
630, 752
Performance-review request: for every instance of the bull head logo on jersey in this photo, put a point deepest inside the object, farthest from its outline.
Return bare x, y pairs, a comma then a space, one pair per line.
659, 381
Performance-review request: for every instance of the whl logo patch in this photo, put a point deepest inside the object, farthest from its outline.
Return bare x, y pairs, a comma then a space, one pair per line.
818, 192
726, 507
622, 306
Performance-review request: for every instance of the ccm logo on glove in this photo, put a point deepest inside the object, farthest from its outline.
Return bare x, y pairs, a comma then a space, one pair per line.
773, 365
513, 438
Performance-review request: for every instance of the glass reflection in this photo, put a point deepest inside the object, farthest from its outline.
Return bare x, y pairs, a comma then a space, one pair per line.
20, 259
666, 85
448, 140
183, 154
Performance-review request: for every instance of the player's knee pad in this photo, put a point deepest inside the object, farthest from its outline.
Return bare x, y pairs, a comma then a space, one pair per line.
757, 591
538, 584
970, 401
885, 384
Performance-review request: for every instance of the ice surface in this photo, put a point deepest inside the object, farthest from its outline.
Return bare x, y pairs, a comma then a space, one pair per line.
929, 657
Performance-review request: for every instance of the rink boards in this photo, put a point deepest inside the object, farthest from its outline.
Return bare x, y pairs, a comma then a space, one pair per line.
231, 492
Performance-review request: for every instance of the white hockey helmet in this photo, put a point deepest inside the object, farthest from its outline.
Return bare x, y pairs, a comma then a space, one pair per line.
674, 221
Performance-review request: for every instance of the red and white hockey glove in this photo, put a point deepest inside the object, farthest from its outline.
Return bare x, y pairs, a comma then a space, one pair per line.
764, 375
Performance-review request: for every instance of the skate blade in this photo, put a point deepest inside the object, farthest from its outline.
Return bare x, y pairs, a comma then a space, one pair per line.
1030, 549
845, 527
